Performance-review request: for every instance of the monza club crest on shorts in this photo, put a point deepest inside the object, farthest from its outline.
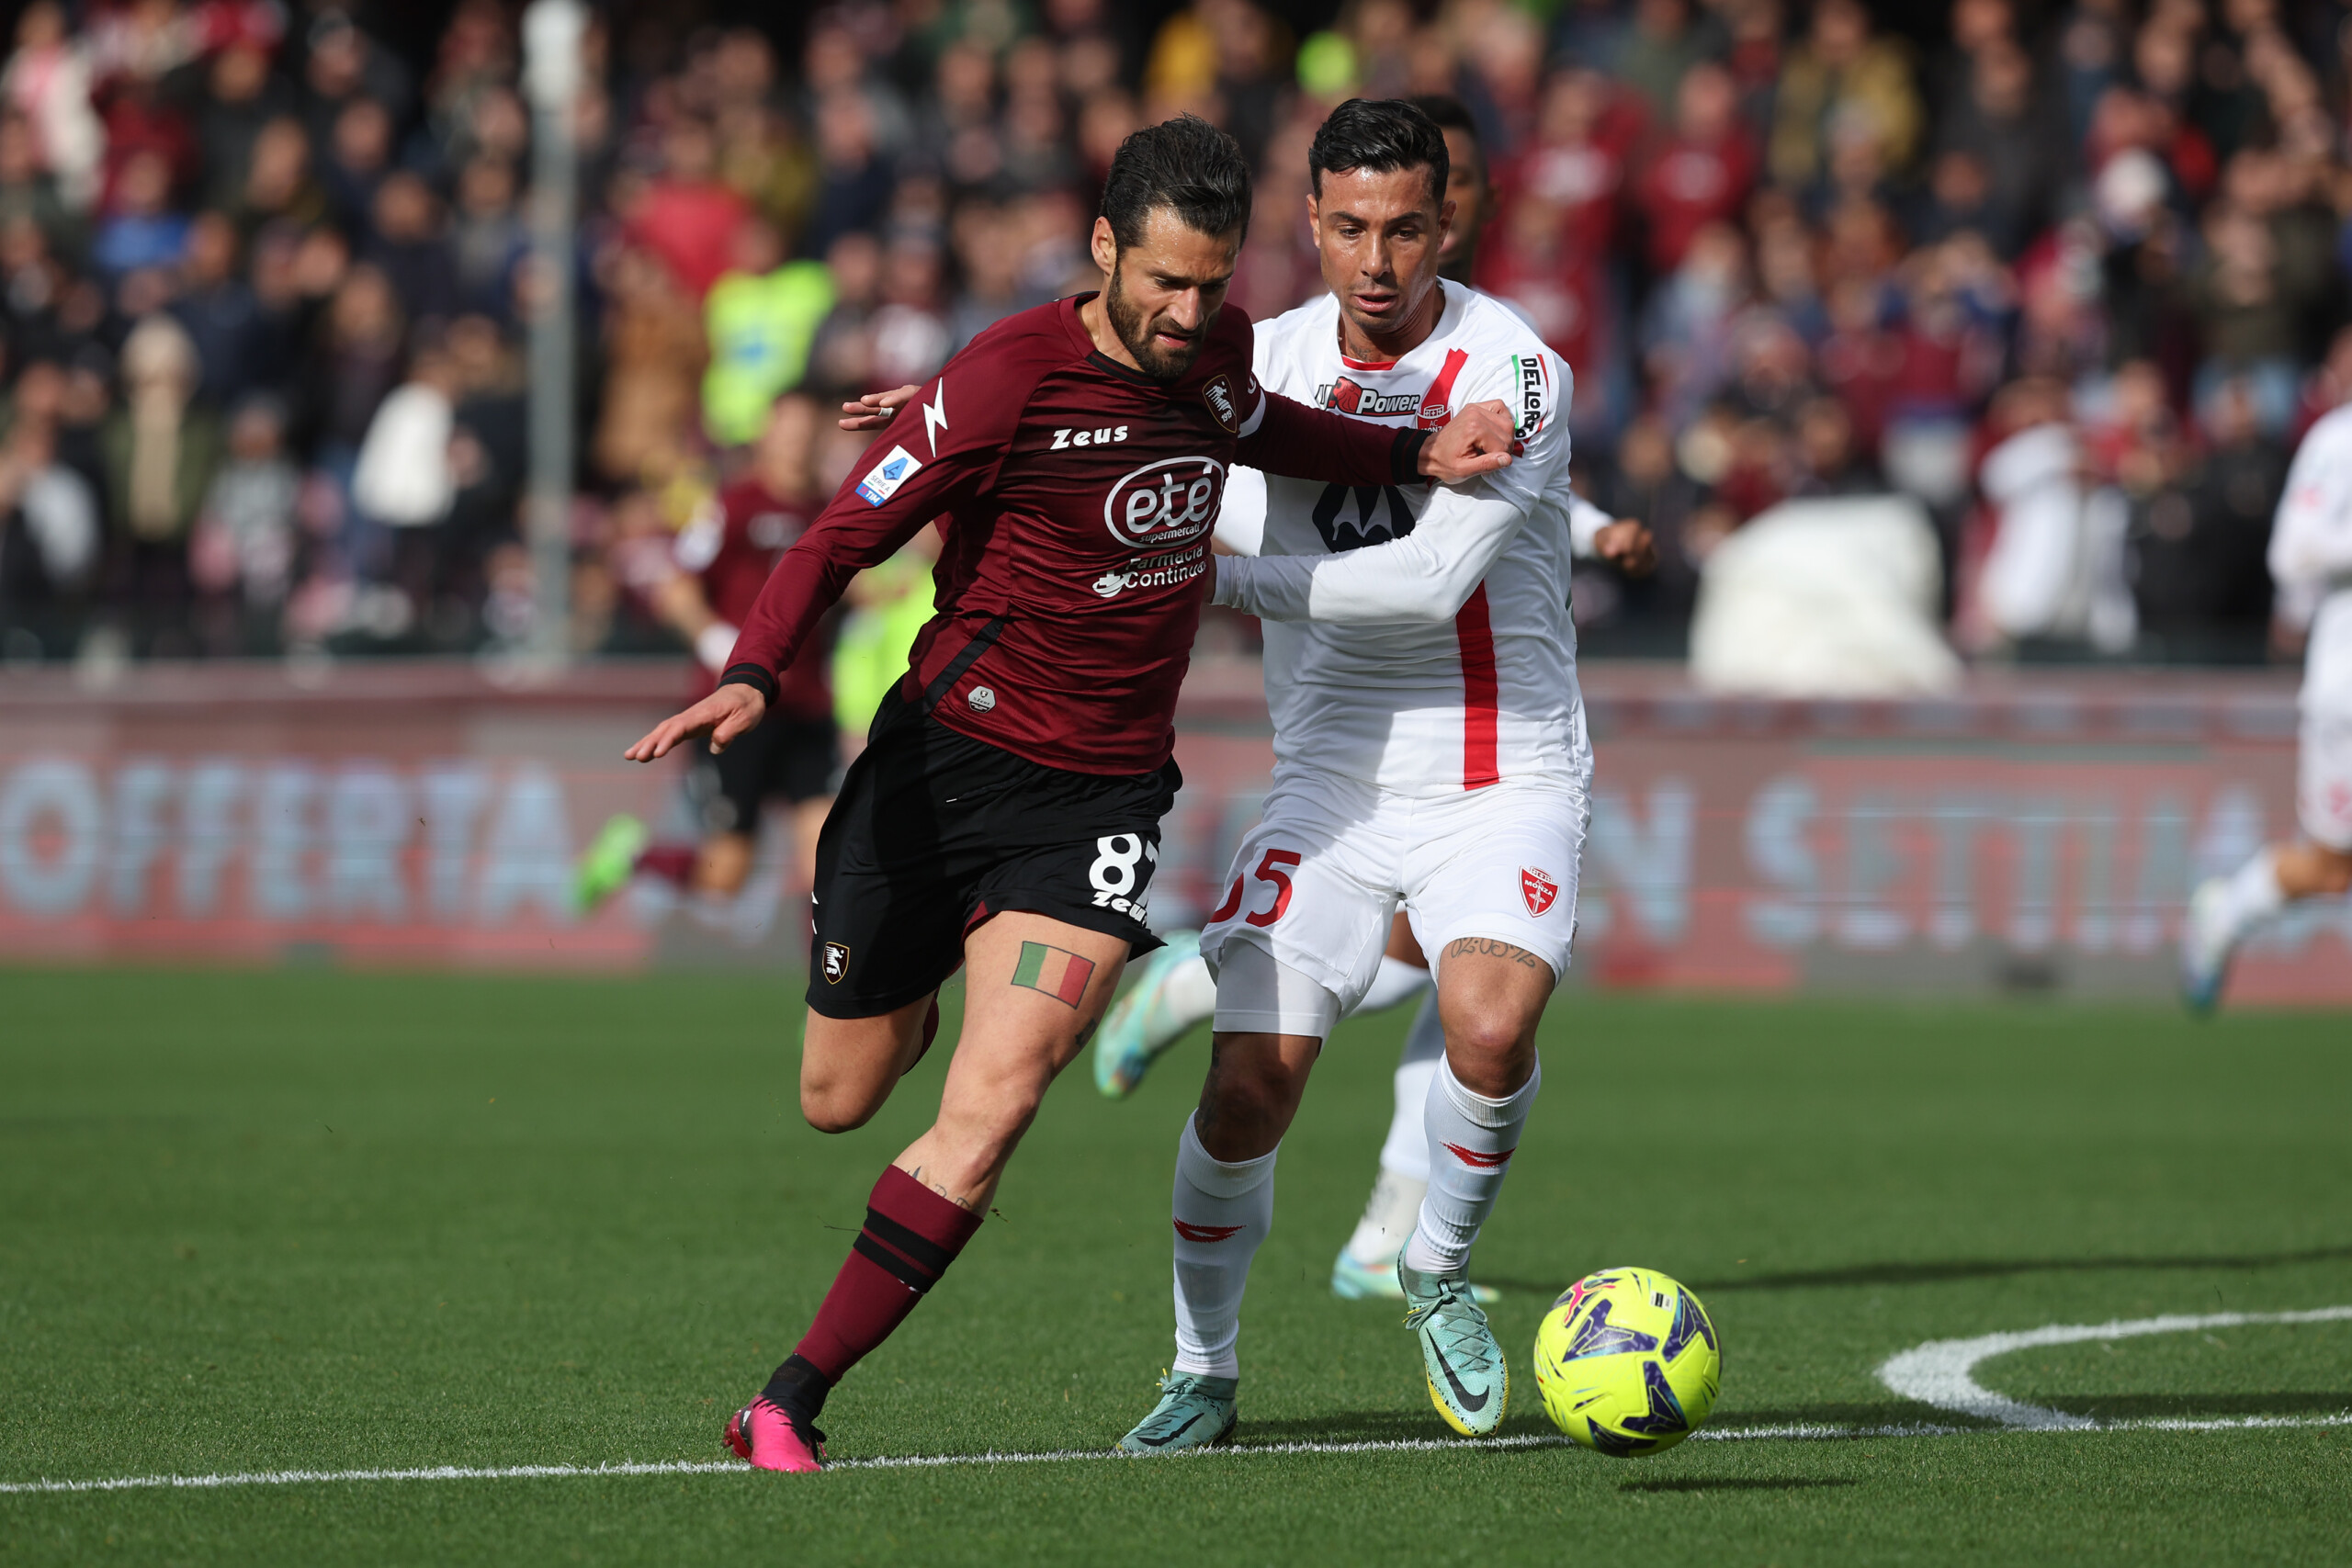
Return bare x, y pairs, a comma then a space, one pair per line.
1538, 888
836, 962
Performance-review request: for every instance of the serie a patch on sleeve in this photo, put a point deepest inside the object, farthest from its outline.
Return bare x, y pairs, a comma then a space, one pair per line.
1533, 393
887, 475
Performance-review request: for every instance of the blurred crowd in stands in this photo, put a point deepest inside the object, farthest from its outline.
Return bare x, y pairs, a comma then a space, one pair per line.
2071, 273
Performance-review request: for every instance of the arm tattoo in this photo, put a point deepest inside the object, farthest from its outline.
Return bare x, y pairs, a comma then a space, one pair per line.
1056, 973
1487, 947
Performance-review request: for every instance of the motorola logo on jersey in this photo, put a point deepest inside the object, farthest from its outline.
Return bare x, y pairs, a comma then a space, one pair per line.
1172, 501
1349, 517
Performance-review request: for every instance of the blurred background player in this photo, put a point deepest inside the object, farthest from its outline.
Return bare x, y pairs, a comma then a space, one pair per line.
723, 557
2311, 561
1174, 992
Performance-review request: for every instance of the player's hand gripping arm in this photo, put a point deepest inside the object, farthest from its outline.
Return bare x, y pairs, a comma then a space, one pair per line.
1300, 443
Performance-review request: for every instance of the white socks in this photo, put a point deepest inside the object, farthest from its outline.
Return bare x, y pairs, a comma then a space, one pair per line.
1470, 1144
1395, 981
1222, 1212
1388, 1217
2254, 893
1396, 1200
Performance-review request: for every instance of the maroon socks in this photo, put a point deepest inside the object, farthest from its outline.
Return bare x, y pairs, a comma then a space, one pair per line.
911, 1234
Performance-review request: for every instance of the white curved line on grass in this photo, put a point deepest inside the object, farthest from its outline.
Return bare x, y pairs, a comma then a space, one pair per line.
1942, 1372
1798, 1433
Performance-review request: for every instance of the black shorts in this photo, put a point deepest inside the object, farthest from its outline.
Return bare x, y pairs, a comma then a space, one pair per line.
783, 759
935, 831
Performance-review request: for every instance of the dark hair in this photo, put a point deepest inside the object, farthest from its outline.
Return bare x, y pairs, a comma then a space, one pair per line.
1185, 164
1449, 113
1382, 135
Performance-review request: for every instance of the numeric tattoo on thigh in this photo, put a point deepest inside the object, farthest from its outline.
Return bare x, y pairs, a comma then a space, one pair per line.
1054, 972
1487, 947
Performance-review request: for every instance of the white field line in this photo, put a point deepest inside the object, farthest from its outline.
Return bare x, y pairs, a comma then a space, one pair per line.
1799, 1433
1942, 1372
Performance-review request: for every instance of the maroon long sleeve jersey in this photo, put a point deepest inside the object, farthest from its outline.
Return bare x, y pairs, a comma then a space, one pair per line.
1076, 497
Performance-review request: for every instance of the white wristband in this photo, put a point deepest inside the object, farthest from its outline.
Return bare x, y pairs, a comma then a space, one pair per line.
713, 644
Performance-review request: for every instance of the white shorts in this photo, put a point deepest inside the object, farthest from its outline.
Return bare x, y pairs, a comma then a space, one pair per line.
2324, 761
1314, 885
2323, 780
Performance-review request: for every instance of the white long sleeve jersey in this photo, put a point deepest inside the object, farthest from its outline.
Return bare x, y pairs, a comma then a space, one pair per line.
2310, 559
2311, 539
1418, 638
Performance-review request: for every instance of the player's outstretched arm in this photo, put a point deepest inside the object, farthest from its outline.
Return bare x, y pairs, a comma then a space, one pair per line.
724, 714
1300, 443
1427, 576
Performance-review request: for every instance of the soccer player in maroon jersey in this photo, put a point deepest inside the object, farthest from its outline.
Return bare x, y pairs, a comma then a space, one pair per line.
716, 568
1004, 817
731, 550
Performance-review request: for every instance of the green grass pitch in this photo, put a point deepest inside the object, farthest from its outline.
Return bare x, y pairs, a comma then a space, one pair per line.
264, 1222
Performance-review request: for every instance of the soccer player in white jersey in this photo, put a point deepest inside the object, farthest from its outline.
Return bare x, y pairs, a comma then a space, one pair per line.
1430, 749
1173, 990
2311, 565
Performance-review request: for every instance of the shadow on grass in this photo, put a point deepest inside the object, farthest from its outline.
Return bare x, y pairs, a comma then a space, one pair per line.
1935, 1274
1735, 1483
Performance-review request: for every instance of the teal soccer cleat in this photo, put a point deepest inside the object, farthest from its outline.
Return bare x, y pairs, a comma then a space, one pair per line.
2208, 941
1194, 1412
1469, 1378
1141, 1025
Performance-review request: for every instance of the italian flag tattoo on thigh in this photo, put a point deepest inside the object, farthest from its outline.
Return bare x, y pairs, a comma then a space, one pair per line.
1061, 976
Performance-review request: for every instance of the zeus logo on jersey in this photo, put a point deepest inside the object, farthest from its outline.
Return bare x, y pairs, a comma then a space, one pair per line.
1348, 398
1172, 501
1065, 438
887, 475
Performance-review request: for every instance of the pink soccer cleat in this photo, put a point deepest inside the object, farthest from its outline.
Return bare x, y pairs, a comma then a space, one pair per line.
772, 1437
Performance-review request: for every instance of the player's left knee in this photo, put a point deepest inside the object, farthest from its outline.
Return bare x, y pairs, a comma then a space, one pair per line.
1490, 1035
1490, 1053
833, 1110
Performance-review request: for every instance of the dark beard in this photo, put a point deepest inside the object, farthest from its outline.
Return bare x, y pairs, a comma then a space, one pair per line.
1134, 333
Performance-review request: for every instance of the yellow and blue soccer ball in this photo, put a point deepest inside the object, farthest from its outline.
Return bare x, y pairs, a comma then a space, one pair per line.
1627, 1362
